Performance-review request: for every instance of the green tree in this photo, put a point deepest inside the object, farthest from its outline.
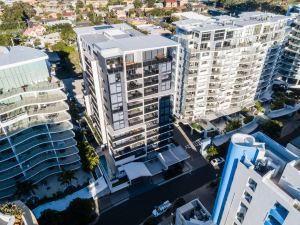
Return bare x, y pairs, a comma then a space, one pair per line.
79, 4
212, 151
88, 155
25, 188
37, 42
66, 177
150, 3
67, 34
6, 39
137, 4
233, 125
272, 128
80, 211
258, 106
51, 217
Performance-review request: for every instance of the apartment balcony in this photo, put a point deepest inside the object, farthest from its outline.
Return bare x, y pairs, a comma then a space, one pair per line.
10, 173
134, 76
38, 159
134, 105
151, 108
5, 155
69, 160
39, 87
58, 107
129, 142
73, 166
35, 121
150, 91
133, 86
46, 173
64, 144
214, 86
26, 101
135, 121
152, 125
28, 133
8, 164
67, 152
151, 72
64, 135
41, 167
54, 128
134, 113
4, 144
27, 155
20, 148
8, 185
128, 134
134, 95
150, 117
150, 101
161, 137
151, 81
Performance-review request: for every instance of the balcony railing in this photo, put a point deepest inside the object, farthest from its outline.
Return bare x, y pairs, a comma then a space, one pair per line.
135, 121
43, 86
151, 101
134, 105
132, 86
135, 113
134, 95
134, 76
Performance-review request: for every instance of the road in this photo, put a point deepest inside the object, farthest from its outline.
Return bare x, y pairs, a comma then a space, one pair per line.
136, 209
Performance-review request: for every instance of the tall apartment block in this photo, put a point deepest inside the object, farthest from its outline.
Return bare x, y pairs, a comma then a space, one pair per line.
36, 137
226, 62
290, 61
129, 85
260, 183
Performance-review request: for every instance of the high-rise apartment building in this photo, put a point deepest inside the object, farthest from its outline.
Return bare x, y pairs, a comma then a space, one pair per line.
129, 86
36, 137
260, 183
226, 62
290, 61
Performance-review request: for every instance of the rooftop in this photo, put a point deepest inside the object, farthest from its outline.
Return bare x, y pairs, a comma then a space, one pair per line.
220, 22
10, 57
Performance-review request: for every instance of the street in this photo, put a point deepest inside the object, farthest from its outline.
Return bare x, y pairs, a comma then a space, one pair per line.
136, 209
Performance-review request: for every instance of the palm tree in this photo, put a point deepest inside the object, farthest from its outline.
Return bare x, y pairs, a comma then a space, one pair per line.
25, 188
66, 177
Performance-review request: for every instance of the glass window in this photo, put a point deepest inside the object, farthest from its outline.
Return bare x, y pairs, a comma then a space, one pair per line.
219, 35
205, 36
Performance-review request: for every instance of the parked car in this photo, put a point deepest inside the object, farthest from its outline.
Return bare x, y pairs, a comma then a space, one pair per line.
217, 161
161, 209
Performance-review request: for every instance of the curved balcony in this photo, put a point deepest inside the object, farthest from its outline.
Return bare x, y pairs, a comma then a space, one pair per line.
8, 164
73, 166
10, 173
20, 148
40, 168
67, 152
7, 193
62, 135
35, 121
7, 184
69, 160
64, 144
58, 107
55, 128
34, 153
4, 145
40, 87
27, 134
27, 101
46, 173
6, 156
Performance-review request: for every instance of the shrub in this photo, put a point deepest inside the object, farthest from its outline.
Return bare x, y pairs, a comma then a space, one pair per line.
258, 106
272, 128
248, 119
196, 126
89, 158
52, 217
278, 104
290, 101
233, 125
212, 151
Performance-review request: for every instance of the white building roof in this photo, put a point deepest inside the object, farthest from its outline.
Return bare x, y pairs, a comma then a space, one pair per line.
135, 170
173, 156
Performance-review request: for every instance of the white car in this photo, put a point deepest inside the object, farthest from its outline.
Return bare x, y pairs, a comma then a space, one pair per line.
217, 161
161, 209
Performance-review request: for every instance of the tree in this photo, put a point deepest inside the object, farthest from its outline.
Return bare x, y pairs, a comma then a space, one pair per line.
51, 217
67, 34
88, 155
80, 211
137, 4
258, 106
6, 40
272, 128
79, 4
37, 42
150, 3
233, 125
66, 177
25, 188
212, 151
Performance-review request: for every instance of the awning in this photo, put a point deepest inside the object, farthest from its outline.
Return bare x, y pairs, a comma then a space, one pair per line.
173, 156
135, 170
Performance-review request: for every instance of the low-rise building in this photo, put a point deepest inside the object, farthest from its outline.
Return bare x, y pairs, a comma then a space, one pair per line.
193, 213
170, 3
34, 31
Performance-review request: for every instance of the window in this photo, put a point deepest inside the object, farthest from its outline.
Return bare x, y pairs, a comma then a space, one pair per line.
205, 36
229, 34
219, 35
252, 184
196, 35
203, 46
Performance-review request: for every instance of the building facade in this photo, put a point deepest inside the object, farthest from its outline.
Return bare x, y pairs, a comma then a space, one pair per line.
260, 183
226, 62
36, 137
129, 86
289, 64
